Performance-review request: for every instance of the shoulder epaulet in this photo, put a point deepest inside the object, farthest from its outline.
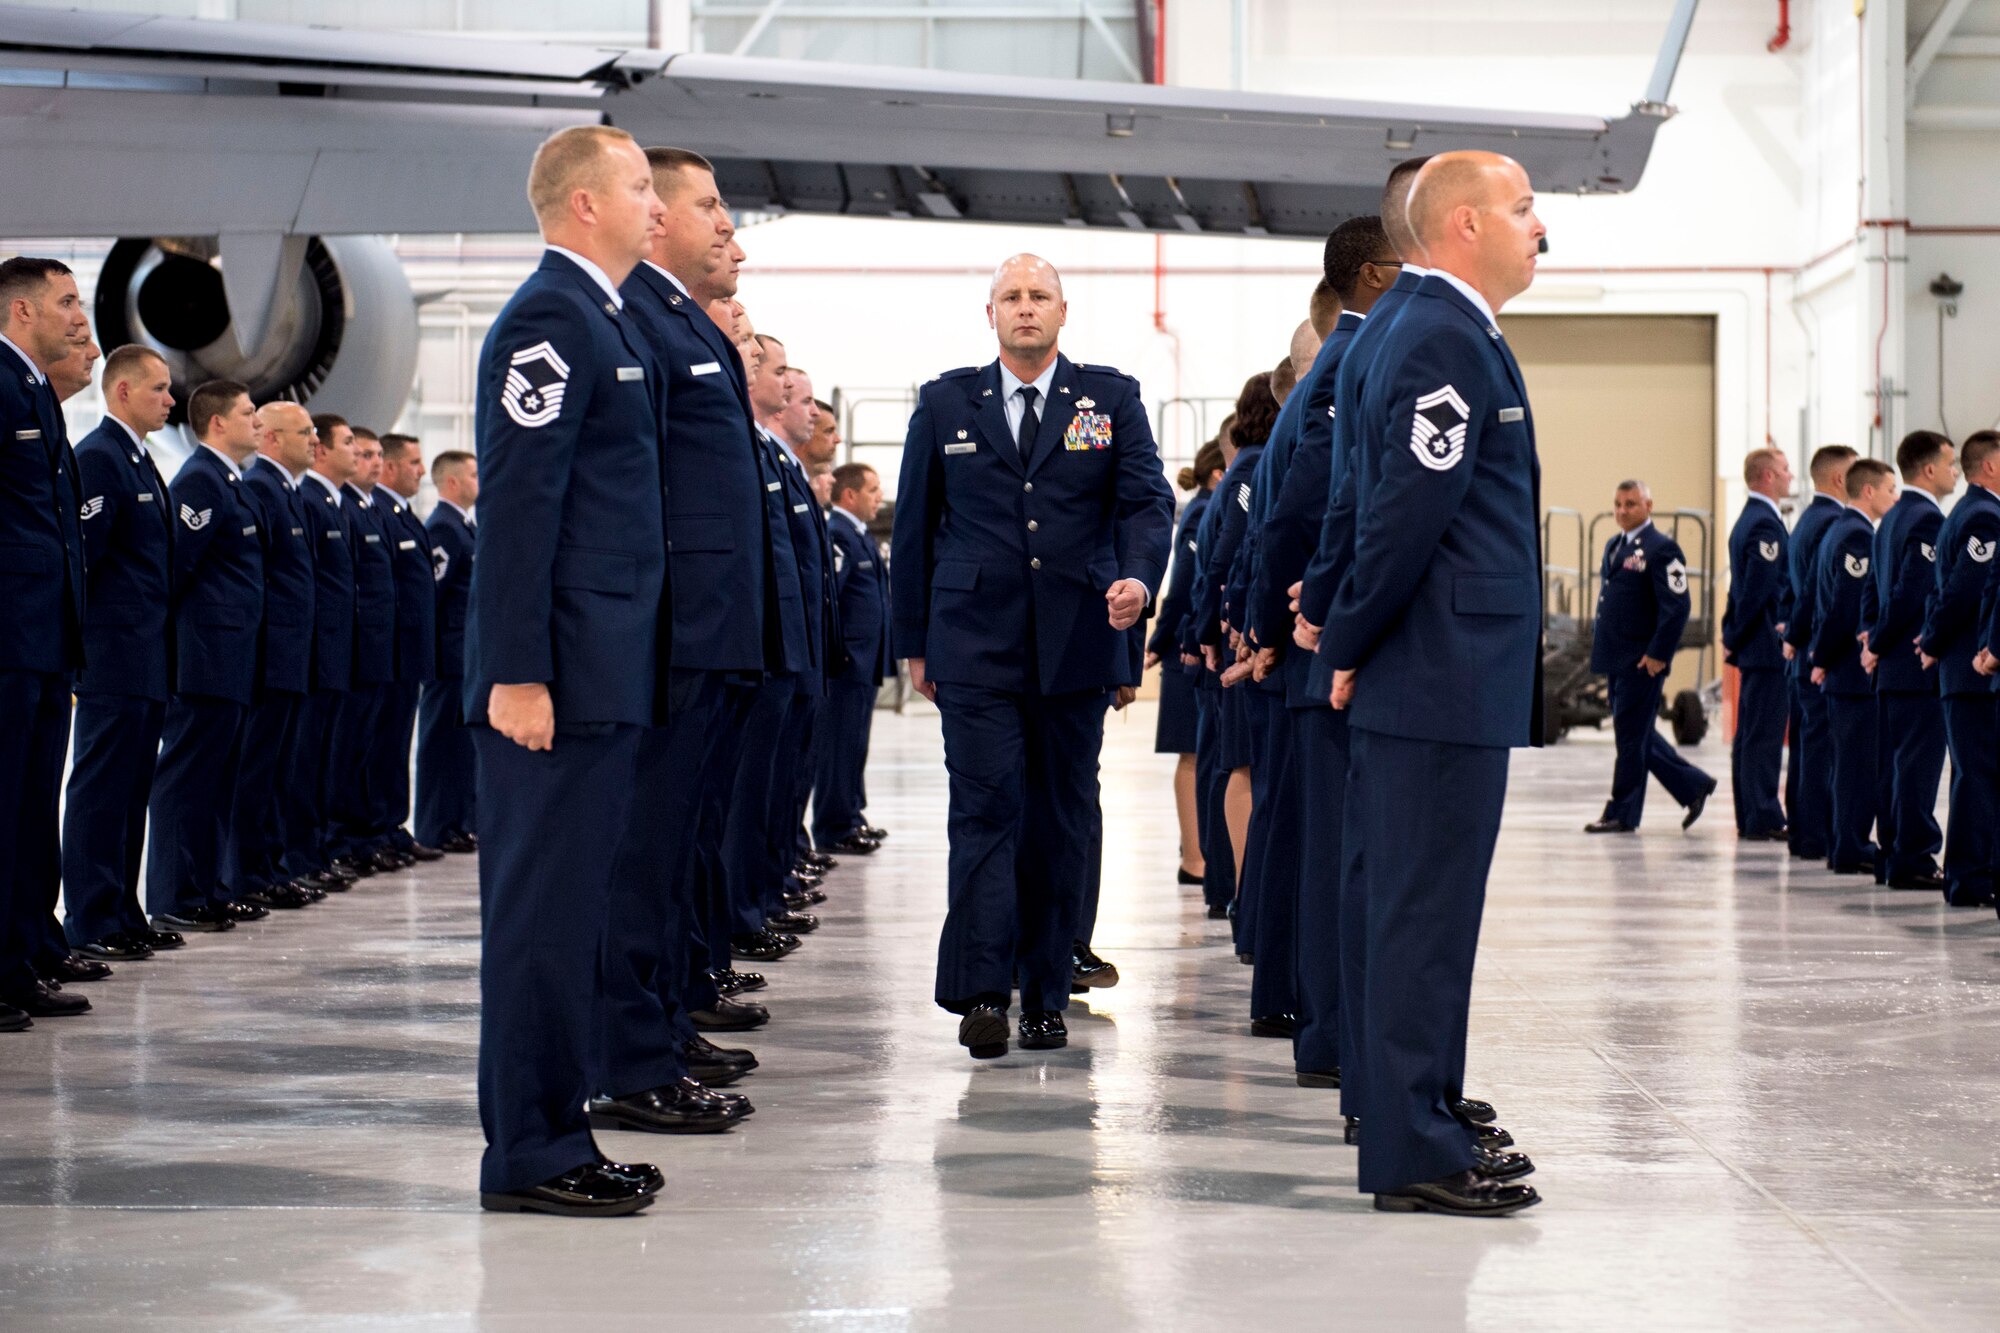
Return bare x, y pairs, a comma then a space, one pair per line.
1107, 370
959, 374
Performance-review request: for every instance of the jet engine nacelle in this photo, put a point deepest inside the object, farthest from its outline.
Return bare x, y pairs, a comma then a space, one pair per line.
326, 321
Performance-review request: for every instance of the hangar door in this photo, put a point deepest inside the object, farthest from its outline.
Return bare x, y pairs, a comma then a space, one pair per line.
1619, 396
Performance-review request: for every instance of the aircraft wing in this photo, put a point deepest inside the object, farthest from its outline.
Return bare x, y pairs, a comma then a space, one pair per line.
122, 125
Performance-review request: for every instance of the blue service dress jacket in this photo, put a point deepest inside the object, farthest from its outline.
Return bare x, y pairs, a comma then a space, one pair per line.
570, 582
861, 593
374, 586
1843, 585
286, 643
1966, 549
994, 551
1236, 495
716, 479
1642, 600
1440, 609
1905, 568
451, 570
1174, 605
1802, 558
127, 557
330, 525
1760, 589
416, 588
218, 581
41, 541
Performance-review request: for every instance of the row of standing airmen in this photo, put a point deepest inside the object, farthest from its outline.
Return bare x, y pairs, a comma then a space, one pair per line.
1867, 632
1357, 605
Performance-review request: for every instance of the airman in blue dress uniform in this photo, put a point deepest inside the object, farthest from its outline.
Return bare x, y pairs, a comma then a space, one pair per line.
565, 665
1032, 524
1434, 635
1910, 713
330, 525
1842, 601
1753, 642
1809, 764
861, 659
1642, 607
447, 788
121, 699
351, 825
218, 576
415, 567
1951, 639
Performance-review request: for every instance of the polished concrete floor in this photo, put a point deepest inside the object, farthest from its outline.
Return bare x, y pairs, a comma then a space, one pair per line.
1761, 1098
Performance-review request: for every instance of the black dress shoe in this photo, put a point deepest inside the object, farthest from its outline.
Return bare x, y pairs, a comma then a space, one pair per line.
1493, 1164
389, 861
1968, 897
1275, 1025
643, 1174
1088, 970
712, 1065
731, 982
1768, 835
45, 999
417, 851
1472, 1111
792, 923
983, 1031
762, 947
160, 940
852, 845
458, 844
589, 1190
14, 1020
313, 892
803, 877
1490, 1137
352, 868
1043, 1030
804, 898
1319, 1078
117, 947
1183, 877
680, 1107
1218, 911
1851, 867
1931, 881
873, 834
819, 861
203, 918
283, 897
246, 911
325, 881
1596, 826
1694, 809
75, 967
1466, 1194
1350, 1130
731, 1016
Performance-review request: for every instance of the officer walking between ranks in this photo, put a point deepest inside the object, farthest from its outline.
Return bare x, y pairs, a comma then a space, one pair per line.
1031, 531
1809, 766
861, 659
447, 793
254, 866
1642, 607
564, 664
218, 577
1753, 627
1843, 597
409, 542
1910, 713
1950, 640
121, 696
1434, 636
41, 630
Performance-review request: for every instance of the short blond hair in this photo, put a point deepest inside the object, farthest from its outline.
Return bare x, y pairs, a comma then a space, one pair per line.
570, 160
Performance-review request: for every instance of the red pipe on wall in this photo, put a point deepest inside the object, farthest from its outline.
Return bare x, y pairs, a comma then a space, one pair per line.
1783, 37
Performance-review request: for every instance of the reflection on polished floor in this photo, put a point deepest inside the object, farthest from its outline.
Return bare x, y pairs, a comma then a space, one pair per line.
1761, 1097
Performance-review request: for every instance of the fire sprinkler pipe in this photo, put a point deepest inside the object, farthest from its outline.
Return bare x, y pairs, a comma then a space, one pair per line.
1783, 37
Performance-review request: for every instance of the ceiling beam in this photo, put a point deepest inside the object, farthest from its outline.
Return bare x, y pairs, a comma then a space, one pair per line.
1930, 44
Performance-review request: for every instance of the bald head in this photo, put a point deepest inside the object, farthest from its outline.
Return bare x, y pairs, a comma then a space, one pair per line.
1474, 215
1026, 309
1305, 347
288, 436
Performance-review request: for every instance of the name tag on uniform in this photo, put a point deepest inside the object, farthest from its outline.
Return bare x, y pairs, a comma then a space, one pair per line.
867, 564
298, 532
370, 537
773, 485
333, 534
406, 546
1508, 414
145, 497
628, 373
799, 509
250, 531
27, 435
706, 368
968, 448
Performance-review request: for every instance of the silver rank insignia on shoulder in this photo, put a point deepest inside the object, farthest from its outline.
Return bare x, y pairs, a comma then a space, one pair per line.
1769, 550
1084, 404
1677, 577
1064, 388
611, 309
1857, 565
91, 508
674, 299
986, 393
1930, 552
